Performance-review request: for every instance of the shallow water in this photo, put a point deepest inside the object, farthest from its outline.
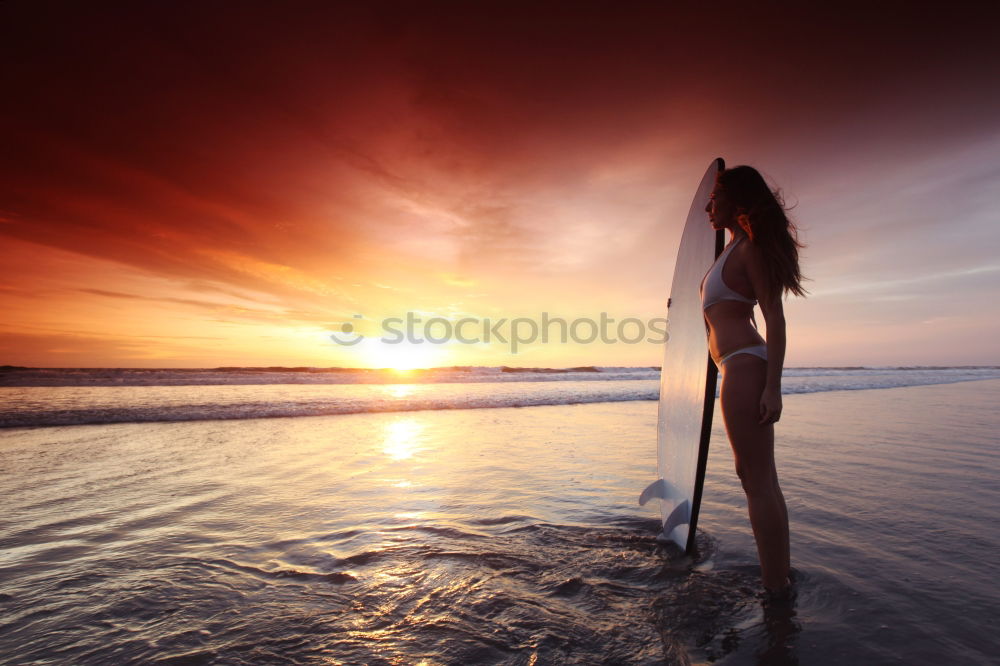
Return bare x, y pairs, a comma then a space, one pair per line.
497, 536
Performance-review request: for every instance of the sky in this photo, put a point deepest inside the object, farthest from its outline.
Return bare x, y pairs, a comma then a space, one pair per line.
216, 184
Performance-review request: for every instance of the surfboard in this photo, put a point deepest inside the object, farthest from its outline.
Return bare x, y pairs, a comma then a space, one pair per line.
687, 379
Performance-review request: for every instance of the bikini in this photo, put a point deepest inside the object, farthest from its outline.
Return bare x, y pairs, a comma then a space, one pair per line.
714, 289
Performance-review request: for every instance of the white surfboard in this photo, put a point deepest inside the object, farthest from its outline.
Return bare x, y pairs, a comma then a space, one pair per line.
687, 380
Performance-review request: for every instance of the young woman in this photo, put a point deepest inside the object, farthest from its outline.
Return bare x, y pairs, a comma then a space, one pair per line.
760, 265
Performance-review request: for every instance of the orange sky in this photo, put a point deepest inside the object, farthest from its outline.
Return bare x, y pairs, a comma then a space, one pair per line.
182, 187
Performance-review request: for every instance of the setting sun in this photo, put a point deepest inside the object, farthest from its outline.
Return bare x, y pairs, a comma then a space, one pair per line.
402, 357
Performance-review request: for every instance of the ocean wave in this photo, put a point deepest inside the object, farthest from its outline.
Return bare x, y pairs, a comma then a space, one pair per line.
235, 376
79, 405
11, 376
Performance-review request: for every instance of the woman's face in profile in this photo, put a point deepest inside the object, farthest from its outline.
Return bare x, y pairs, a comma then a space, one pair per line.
721, 212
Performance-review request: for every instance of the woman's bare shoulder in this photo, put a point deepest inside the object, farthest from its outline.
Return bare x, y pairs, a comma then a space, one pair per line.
752, 255
755, 262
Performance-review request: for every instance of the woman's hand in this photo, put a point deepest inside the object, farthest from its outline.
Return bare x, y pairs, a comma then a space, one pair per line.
770, 406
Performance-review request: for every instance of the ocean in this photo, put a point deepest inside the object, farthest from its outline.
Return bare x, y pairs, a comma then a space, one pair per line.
48, 397
482, 516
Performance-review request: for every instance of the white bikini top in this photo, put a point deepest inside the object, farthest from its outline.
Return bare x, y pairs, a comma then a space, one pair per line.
714, 289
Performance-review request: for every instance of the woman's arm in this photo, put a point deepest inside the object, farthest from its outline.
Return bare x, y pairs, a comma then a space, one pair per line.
769, 298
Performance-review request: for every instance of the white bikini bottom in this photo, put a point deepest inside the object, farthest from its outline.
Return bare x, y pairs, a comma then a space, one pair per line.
756, 350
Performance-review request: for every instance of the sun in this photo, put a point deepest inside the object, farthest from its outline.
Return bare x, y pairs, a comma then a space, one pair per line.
403, 357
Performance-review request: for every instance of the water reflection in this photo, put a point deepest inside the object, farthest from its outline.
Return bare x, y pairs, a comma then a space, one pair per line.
709, 614
399, 390
781, 629
402, 438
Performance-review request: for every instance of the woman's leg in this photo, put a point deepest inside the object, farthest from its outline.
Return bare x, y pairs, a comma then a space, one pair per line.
743, 379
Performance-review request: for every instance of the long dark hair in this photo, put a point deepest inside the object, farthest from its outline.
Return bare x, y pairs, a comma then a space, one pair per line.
762, 215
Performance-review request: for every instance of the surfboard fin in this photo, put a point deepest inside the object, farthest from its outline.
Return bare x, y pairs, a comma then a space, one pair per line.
660, 489
656, 489
664, 490
681, 515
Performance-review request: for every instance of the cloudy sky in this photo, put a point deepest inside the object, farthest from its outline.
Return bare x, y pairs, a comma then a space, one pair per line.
206, 184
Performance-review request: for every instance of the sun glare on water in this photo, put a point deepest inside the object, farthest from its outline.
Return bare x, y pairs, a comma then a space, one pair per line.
402, 438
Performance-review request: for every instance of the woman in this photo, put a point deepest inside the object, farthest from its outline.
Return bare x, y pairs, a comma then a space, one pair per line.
759, 265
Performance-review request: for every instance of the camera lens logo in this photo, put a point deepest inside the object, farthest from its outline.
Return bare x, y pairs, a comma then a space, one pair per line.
347, 329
